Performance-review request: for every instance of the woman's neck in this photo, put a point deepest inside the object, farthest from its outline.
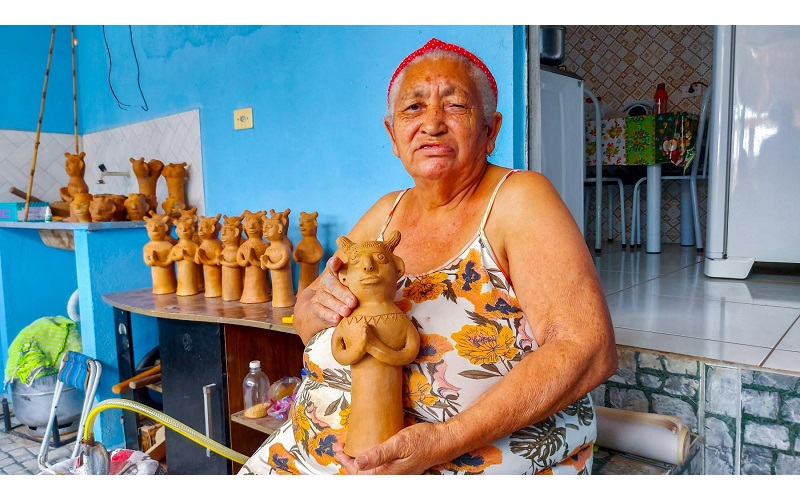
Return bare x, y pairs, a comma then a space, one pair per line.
448, 193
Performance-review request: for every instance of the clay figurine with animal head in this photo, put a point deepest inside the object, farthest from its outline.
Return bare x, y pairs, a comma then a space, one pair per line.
157, 254
376, 340
231, 238
256, 287
79, 207
173, 206
120, 212
76, 168
102, 208
284, 216
309, 251
147, 174
184, 254
208, 254
277, 259
175, 174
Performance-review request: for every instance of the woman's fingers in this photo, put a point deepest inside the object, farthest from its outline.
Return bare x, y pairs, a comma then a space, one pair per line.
332, 300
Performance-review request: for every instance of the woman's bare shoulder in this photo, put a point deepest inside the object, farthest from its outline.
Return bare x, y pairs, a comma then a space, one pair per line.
369, 225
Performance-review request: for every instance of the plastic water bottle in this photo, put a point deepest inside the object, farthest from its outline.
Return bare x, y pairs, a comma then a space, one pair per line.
255, 390
48, 214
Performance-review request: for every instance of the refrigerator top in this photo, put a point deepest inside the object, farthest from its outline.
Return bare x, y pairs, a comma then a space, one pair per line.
559, 71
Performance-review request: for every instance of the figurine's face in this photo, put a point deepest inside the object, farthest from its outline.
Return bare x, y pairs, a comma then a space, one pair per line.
273, 230
229, 234
156, 230
370, 270
307, 225
185, 229
252, 224
207, 227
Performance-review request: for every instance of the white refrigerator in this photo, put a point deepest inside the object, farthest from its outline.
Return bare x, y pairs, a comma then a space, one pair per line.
754, 166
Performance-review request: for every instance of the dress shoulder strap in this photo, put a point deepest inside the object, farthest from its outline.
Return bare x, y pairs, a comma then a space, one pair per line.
391, 212
491, 200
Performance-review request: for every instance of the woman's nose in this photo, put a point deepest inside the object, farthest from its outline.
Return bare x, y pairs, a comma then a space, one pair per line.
433, 124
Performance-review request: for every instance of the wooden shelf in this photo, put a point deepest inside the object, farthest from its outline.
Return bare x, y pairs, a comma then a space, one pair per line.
266, 425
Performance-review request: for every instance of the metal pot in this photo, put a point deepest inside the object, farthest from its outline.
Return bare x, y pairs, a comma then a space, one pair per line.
552, 44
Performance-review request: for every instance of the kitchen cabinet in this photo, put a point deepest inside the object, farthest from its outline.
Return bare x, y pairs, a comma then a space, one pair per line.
205, 346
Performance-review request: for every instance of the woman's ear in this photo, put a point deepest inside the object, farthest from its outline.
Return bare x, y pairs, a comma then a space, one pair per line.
391, 136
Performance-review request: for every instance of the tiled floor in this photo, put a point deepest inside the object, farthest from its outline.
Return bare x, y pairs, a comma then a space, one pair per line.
18, 454
664, 302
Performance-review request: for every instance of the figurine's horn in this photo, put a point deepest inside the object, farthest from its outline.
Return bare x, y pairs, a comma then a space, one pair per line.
344, 243
393, 241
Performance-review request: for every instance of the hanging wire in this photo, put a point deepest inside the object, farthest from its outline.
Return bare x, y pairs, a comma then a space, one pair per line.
119, 103
138, 72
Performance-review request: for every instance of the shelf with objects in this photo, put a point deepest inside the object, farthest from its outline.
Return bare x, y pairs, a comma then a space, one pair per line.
206, 345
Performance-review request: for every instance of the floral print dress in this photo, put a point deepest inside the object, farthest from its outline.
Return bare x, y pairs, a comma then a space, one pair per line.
472, 333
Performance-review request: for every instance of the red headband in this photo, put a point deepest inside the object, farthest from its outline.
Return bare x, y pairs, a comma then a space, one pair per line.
434, 44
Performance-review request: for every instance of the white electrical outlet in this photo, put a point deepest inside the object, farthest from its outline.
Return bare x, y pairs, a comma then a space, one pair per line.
685, 91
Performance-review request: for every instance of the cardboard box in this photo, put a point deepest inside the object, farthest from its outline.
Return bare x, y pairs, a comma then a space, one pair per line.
15, 212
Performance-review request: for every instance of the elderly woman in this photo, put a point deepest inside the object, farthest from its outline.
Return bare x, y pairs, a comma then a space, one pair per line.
515, 331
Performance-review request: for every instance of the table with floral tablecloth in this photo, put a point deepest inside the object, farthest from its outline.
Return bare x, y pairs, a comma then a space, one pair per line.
666, 139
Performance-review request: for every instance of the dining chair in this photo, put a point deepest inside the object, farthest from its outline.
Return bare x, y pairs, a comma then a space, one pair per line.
693, 176
608, 182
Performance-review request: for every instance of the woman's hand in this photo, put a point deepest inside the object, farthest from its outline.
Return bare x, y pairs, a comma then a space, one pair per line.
332, 301
413, 450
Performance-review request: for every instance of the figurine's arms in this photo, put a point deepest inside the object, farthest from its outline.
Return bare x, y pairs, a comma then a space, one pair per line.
201, 257
268, 263
241, 259
395, 357
177, 253
349, 343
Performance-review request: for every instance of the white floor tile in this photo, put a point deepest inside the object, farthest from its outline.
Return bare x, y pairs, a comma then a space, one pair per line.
791, 341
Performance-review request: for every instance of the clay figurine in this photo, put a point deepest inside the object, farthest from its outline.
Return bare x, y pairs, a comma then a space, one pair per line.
147, 174
285, 221
175, 174
79, 207
255, 286
173, 206
231, 238
136, 206
277, 259
376, 340
208, 254
102, 208
184, 253
157, 254
76, 168
309, 251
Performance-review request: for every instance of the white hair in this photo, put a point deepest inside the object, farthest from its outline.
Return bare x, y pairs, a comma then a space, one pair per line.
478, 76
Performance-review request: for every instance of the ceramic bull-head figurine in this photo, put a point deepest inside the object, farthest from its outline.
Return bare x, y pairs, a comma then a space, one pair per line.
157, 253
308, 251
376, 340
76, 169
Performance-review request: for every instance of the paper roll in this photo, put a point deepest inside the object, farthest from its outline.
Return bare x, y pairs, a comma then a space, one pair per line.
659, 437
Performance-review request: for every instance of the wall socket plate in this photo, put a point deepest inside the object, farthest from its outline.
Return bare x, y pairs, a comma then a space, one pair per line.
698, 91
243, 118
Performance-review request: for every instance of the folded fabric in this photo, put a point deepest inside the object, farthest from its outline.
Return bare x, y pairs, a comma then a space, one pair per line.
36, 351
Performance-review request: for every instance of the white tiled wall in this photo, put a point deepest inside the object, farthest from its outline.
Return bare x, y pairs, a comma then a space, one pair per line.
171, 139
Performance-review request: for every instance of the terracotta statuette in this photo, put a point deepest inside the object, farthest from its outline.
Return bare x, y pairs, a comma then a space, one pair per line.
376, 340
136, 206
76, 168
232, 273
175, 174
157, 254
208, 254
120, 212
256, 287
102, 208
173, 206
277, 258
147, 174
285, 221
309, 251
79, 207
184, 253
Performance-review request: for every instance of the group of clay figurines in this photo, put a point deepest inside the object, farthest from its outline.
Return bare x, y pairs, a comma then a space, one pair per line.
86, 207
216, 259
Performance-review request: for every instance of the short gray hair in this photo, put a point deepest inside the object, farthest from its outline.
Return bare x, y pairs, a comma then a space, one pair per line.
478, 76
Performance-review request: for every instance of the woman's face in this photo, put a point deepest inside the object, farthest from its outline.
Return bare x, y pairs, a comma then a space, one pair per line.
439, 127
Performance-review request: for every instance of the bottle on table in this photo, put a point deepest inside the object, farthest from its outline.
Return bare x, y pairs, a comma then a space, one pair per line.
255, 390
660, 99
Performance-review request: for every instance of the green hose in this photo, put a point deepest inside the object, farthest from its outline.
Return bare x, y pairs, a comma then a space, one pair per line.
179, 427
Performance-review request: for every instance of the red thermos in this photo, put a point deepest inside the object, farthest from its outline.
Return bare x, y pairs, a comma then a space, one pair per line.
661, 99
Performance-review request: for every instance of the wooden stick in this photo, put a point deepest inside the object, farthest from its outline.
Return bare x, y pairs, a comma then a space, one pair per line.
21, 194
39, 127
125, 384
74, 92
152, 379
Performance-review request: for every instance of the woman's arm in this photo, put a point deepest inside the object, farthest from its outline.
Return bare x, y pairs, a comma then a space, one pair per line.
325, 301
541, 248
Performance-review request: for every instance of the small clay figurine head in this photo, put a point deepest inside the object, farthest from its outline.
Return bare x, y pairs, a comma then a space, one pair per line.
208, 227
185, 226
75, 165
308, 223
371, 270
152, 202
173, 206
251, 222
272, 227
155, 167
136, 205
80, 207
102, 208
158, 226
139, 167
175, 170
